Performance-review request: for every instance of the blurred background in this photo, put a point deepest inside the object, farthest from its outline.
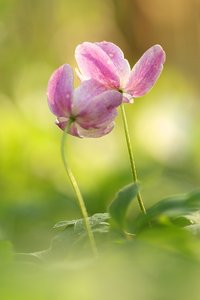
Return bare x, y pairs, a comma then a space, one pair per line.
38, 36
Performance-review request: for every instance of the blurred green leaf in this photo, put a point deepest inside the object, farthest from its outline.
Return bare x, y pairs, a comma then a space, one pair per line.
34, 257
194, 217
172, 239
72, 235
188, 219
70, 239
120, 204
79, 224
178, 210
194, 229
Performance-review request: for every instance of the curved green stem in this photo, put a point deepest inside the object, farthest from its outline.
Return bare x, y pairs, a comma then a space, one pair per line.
78, 194
131, 157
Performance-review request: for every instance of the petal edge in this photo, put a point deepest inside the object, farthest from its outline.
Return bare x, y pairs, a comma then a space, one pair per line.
146, 71
60, 91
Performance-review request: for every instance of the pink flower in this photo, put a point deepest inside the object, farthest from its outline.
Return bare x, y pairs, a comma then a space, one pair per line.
105, 63
90, 108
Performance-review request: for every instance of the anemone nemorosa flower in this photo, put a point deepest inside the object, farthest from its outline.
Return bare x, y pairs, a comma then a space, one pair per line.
105, 62
89, 110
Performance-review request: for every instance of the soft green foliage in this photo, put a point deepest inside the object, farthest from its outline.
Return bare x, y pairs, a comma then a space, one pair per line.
70, 239
159, 263
179, 210
192, 217
120, 204
160, 228
194, 229
78, 225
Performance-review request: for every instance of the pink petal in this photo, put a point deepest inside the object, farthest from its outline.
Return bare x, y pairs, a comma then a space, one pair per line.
63, 122
127, 98
86, 90
117, 57
146, 71
93, 111
94, 63
78, 131
95, 133
60, 91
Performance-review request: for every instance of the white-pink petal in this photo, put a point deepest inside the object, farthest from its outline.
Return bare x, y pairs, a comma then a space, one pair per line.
98, 110
82, 94
95, 133
146, 72
117, 57
60, 91
93, 62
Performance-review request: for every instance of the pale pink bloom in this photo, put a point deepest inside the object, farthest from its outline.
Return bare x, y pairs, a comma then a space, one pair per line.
105, 63
90, 108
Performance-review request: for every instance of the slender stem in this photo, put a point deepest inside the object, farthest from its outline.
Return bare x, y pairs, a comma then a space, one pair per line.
131, 157
78, 194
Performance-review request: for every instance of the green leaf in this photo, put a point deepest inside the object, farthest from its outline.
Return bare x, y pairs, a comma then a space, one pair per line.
72, 235
178, 210
64, 224
79, 224
34, 257
171, 239
120, 204
194, 217
70, 239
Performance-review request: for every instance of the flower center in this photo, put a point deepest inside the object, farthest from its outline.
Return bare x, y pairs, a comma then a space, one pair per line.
72, 119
